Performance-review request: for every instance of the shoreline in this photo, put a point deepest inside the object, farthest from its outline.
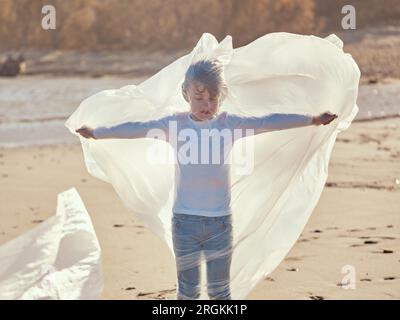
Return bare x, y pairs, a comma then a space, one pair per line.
43, 143
32, 109
70, 139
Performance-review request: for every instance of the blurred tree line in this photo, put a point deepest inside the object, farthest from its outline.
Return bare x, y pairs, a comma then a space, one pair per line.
148, 24
172, 24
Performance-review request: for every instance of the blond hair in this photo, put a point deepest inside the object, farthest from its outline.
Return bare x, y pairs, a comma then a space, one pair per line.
210, 74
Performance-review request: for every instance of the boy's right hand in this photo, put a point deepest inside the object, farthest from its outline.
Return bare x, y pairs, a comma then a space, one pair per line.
86, 132
324, 118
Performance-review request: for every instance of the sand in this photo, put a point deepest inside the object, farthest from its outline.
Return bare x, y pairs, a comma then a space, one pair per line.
355, 224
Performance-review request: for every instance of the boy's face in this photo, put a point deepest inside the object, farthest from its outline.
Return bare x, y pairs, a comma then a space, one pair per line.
202, 105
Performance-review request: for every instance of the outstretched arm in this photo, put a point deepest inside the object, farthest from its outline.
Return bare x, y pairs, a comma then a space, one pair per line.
127, 130
278, 121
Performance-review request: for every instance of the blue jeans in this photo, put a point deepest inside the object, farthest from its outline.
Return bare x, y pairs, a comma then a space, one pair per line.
193, 235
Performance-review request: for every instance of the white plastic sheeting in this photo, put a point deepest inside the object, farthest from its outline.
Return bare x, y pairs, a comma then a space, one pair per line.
278, 72
58, 259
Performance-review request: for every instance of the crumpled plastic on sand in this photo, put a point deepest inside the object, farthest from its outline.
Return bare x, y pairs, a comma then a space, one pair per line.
58, 259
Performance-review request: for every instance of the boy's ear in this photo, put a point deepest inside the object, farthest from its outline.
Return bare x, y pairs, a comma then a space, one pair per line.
184, 93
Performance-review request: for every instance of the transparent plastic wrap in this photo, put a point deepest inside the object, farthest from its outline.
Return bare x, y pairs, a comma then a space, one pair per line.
60, 259
276, 73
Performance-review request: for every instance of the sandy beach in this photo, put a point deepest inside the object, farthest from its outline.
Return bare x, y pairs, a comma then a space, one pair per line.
356, 222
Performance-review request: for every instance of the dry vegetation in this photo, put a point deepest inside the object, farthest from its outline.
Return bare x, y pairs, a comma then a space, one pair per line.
139, 36
155, 24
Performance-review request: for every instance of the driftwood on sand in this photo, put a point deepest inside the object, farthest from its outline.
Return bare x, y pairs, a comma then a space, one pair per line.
11, 67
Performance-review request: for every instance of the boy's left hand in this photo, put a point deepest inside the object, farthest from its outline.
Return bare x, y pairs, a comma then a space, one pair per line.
86, 132
324, 118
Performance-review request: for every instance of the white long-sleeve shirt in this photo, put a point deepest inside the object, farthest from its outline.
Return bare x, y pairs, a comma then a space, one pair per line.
202, 183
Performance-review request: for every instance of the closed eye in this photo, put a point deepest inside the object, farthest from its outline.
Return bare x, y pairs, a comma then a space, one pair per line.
212, 99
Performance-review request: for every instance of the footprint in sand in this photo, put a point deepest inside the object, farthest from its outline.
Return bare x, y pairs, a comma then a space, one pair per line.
316, 231
293, 258
384, 251
141, 294
344, 285
159, 293
129, 288
387, 238
292, 269
371, 242
304, 240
